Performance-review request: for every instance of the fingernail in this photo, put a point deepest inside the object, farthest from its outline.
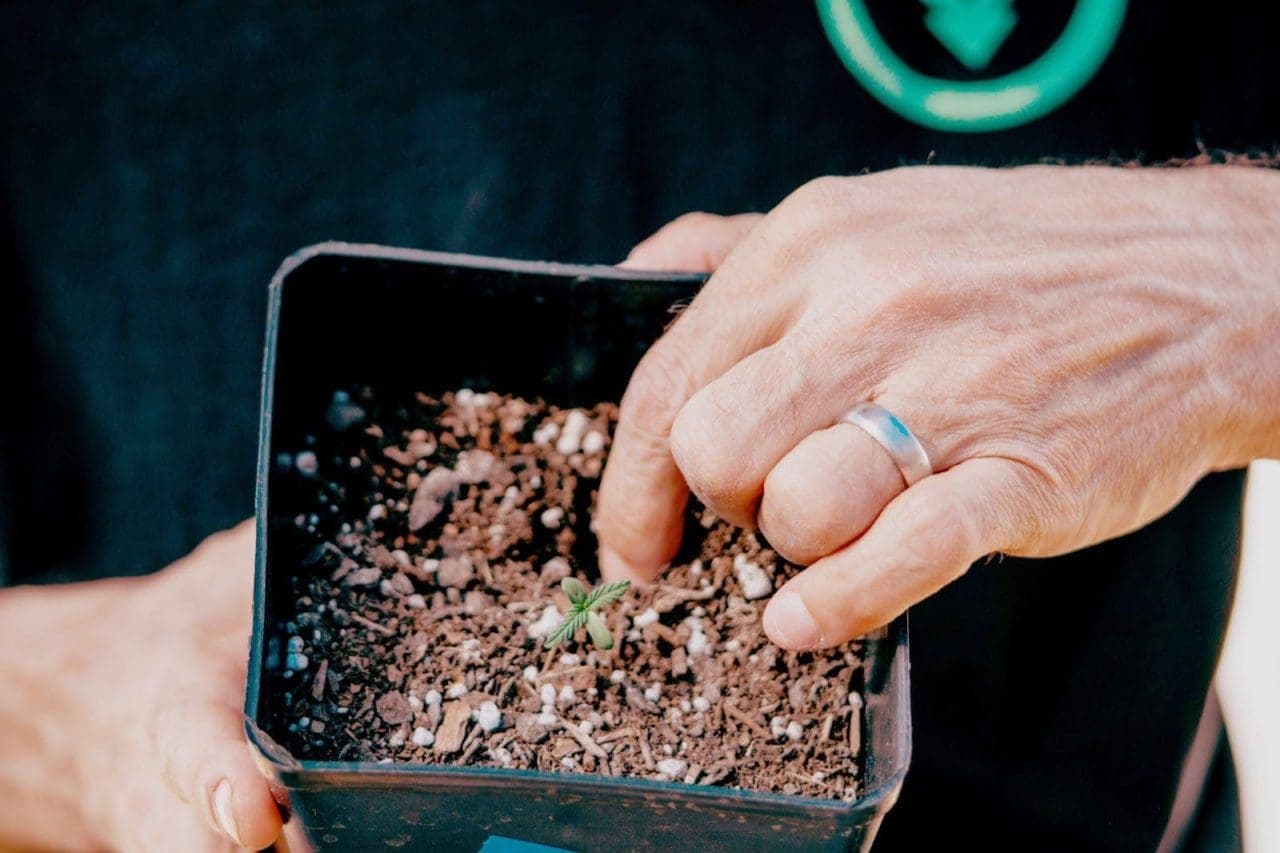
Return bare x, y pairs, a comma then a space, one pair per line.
222, 810
789, 623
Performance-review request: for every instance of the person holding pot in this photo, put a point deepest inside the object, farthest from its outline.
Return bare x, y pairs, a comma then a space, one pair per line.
900, 376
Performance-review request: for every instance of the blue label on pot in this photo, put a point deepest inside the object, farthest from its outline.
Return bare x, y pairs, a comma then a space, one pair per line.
499, 844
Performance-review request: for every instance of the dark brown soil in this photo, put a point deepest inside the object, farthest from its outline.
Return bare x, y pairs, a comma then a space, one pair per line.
437, 533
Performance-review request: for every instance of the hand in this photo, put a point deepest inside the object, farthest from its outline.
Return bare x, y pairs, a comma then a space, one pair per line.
1074, 346
132, 691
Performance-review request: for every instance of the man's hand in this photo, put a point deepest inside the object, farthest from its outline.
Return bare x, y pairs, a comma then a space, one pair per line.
1074, 346
121, 720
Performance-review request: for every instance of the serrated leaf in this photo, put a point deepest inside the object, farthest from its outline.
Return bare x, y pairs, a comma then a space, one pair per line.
606, 594
575, 590
599, 632
568, 626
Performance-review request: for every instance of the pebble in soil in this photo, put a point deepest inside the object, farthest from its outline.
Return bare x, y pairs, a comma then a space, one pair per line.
435, 534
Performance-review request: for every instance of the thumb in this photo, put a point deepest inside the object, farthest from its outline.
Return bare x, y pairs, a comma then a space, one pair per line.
923, 540
207, 763
694, 242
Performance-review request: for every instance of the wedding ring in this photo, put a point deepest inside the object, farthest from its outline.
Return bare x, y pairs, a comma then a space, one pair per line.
892, 434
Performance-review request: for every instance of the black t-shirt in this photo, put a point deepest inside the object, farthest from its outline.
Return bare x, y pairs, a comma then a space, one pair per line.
158, 163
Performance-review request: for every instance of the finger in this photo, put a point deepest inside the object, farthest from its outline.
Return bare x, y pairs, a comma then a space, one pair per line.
642, 494
826, 492
735, 430
232, 593
925, 538
207, 763
695, 242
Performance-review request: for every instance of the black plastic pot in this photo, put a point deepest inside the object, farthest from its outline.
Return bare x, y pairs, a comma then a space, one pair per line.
404, 321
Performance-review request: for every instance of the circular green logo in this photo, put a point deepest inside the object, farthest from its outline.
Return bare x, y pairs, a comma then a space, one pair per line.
973, 30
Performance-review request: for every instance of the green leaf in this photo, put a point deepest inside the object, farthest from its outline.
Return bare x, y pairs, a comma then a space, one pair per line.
607, 594
600, 634
575, 590
569, 626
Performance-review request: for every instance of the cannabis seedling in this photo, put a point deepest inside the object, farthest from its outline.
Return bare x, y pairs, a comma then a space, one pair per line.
582, 611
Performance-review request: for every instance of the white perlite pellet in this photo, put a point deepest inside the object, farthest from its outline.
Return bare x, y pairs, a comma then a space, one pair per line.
423, 736
489, 717
396, 740
552, 517
701, 704
697, 644
575, 427
548, 694
777, 727
567, 696
795, 731
547, 718
545, 434
593, 442
530, 674
306, 463
547, 622
653, 692
433, 697
645, 619
753, 580
617, 677
416, 601
456, 691
673, 767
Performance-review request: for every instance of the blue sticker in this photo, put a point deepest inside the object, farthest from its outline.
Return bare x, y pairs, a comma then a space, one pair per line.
500, 844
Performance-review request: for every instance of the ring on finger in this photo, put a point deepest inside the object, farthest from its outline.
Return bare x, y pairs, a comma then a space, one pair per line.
892, 434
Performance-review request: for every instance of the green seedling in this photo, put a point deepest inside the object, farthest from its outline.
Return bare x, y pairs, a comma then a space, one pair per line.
583, 610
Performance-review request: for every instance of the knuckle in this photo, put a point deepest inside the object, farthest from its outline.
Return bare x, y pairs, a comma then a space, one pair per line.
711, 472
822, 192
693, 220
660, 385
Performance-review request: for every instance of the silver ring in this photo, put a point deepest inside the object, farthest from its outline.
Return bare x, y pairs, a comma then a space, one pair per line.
900, 443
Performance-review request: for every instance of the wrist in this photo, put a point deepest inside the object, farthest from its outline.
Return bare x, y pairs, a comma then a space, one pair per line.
1243, 363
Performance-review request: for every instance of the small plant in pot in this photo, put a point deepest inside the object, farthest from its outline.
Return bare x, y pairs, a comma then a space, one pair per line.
437, 662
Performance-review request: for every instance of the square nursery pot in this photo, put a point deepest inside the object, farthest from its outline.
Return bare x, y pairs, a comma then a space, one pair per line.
405, 321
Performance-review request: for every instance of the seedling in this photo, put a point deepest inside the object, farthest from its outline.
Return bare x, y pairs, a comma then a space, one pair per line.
583, 611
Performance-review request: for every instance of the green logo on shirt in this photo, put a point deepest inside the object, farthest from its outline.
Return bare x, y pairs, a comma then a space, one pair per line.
973, 31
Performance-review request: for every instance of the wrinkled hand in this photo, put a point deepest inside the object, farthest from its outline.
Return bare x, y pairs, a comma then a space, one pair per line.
141, 691
1074, 346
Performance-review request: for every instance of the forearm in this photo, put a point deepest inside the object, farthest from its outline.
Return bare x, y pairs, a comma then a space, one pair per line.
44, 649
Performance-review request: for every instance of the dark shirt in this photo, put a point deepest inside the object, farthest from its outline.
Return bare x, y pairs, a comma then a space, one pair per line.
159, 162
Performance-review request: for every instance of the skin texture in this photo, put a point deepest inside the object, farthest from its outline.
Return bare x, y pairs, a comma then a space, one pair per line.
138, 743
1074, 346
